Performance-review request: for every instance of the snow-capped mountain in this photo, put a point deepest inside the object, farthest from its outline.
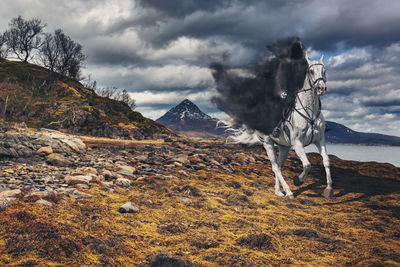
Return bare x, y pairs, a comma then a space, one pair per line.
188, 119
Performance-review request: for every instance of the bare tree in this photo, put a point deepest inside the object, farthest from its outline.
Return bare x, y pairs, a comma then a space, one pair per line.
3, 46
24, 36
71, 57
50, 52
108, 92
61, 54
113, 93
127, 99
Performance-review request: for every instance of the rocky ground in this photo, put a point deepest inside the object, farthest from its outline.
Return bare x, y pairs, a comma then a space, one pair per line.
186, 202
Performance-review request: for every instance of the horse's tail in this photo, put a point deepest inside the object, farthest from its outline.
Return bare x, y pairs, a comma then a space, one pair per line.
243, 135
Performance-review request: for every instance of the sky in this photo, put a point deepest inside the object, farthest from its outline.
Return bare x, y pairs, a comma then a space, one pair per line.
160, 51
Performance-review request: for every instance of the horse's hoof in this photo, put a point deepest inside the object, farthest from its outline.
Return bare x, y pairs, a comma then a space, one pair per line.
328, 193
297, 181
289, 197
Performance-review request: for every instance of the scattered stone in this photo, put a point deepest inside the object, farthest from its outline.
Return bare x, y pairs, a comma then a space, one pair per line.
39, 194
126, 168
177, 164
46, 150
128, 208
72, 142
79, 195
86, 171
44, 202
78, 179
10, 193
3, 204
82, 186
125, 173
123, 182
58, 160
182, 160
107, 174
184, 173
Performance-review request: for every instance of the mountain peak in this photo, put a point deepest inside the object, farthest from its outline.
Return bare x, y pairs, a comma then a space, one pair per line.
184, 111
188, 119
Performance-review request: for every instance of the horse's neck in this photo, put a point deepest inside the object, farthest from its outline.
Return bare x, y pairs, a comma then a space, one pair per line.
307, 100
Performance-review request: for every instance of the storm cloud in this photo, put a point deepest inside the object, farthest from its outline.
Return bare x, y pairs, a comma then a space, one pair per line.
159, 49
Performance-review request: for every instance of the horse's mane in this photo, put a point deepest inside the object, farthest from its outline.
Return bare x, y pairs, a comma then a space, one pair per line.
255, 101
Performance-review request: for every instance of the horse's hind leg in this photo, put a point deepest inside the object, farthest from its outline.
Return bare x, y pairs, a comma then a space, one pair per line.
299, 149
328, 192
269, 147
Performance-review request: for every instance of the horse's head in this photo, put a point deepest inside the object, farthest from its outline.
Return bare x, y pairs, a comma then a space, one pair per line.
316, 75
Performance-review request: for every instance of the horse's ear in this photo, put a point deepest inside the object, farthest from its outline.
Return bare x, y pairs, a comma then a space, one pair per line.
307, 58
321, 59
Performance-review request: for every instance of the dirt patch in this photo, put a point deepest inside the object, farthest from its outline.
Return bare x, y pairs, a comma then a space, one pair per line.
256, 241
163, 260
172, 229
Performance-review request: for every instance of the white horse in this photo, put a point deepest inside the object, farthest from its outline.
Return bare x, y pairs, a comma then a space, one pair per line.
304, 125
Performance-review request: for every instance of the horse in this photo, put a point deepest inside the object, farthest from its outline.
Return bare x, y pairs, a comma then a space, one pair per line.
303, 125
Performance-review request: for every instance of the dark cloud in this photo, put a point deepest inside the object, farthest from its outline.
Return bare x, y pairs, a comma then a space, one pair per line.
166, 46
181, 8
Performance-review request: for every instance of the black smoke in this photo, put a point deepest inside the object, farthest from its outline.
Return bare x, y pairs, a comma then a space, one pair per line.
256, 101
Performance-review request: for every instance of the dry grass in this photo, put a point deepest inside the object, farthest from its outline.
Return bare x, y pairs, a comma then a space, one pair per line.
215, 218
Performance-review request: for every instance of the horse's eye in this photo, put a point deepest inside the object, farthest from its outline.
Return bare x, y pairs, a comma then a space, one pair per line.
312, 72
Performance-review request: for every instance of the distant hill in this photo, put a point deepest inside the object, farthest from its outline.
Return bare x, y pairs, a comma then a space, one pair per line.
186, 118
41, 98
338, 133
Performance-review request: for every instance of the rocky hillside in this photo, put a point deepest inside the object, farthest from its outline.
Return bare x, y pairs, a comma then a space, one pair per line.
40, 98
186, 118
184, 202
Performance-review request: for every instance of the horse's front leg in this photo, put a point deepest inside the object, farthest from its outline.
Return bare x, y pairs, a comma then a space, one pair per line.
328, 192
269, 147
301, 153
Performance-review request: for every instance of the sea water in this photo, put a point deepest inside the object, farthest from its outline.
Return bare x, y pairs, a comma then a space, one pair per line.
386, 154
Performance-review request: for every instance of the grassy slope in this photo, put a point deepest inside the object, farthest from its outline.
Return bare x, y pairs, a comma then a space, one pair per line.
360, 225
41, 98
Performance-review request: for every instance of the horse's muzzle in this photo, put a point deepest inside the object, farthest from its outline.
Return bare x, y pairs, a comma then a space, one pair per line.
321, 89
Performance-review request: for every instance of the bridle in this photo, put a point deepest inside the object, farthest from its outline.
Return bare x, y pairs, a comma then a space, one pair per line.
313, 84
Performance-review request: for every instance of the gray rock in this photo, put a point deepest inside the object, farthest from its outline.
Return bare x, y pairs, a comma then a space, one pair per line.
125, 173
78, 179
3, 204
10, 193
123, 182
80, 195
44, 202
128, 208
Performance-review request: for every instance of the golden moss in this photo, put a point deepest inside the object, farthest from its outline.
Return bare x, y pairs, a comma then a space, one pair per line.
213, 218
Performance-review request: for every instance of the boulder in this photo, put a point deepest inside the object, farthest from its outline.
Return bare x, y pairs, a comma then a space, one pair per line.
58, 160
78, 179
126, 168
128, 208
10, 193
46, 150
123, 182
